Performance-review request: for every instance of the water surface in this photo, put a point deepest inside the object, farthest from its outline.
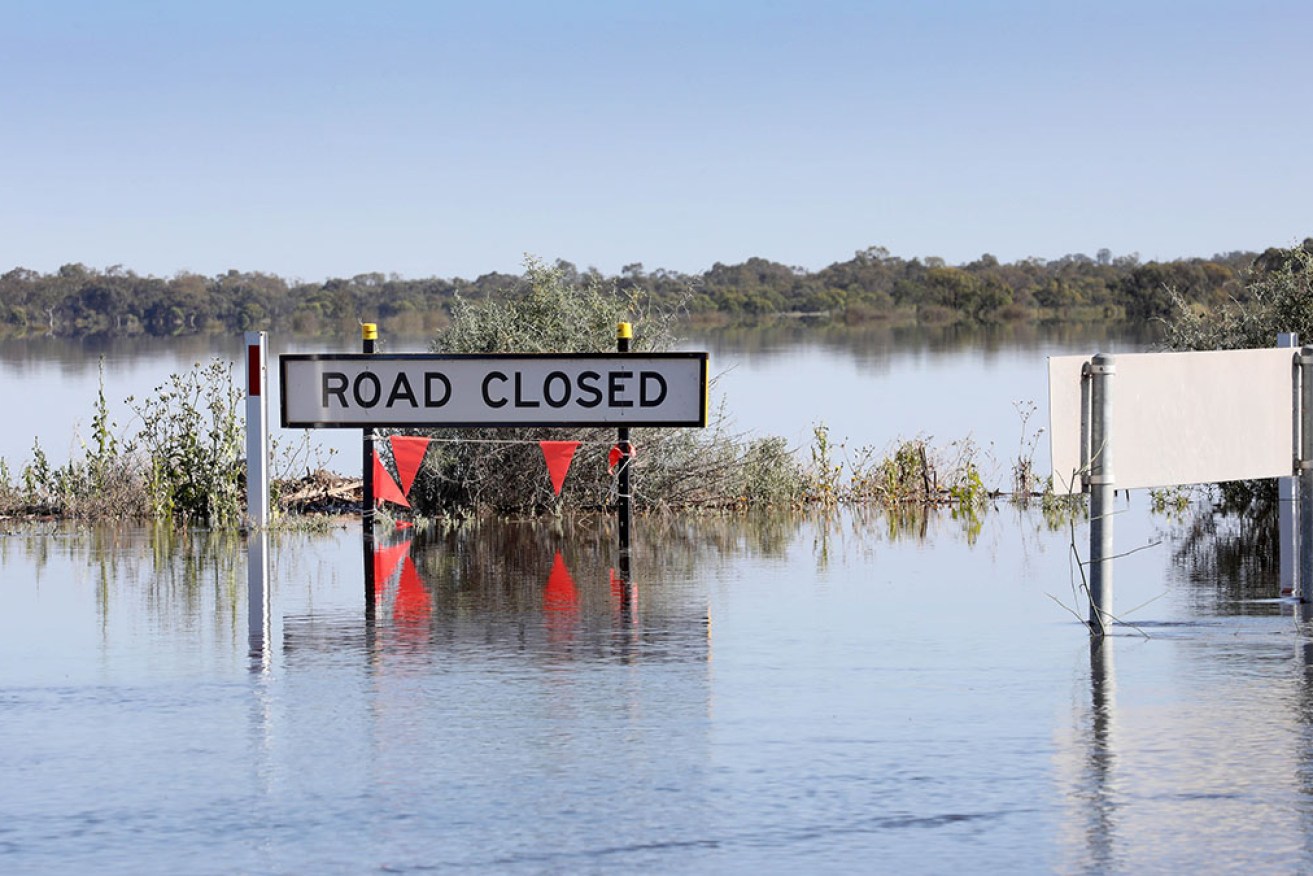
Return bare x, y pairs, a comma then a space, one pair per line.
870, 386
828, 694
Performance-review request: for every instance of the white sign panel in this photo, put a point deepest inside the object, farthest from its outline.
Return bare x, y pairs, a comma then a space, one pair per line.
1181, 418
418, 390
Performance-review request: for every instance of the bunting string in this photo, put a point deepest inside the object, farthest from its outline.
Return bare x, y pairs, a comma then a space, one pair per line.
533, 441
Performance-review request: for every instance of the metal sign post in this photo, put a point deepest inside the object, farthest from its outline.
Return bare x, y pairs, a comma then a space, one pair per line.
368, 337
1304, 358
624, 334
1102, 492
1164, 422
1288, 489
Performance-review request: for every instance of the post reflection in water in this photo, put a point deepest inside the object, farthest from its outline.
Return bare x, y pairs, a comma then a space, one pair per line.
1101, 803
257, 599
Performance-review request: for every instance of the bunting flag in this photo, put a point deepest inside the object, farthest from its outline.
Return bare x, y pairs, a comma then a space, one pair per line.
560, 594
386, 489
409, 453
613, 458
558, 455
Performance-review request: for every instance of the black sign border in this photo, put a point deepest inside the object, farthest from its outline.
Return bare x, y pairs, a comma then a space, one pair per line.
285, 358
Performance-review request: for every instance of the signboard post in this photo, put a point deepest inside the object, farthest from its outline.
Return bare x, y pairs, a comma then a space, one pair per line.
624, 332
368, 337
1175, 418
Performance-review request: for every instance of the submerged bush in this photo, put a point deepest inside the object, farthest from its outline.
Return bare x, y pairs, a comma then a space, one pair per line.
104, 482
1278, 297
191, 443
184, 462
911, 472
502, 470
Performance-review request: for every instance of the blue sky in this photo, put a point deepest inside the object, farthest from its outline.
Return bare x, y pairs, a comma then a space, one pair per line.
450, 139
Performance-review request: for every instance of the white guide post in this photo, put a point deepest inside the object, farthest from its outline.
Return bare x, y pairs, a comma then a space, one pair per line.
257, 433
257, 501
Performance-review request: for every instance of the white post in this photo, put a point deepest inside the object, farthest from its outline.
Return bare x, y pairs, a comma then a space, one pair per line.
257, 499
1287, 493
257, 433
1102, 491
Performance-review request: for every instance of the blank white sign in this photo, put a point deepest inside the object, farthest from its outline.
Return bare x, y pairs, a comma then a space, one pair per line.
1182, 418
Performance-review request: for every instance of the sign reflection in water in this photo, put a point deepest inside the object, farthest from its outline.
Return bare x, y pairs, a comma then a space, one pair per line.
506, 589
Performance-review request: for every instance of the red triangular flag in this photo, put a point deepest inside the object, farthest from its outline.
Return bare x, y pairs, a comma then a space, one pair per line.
409, 453
560, 594
386, 489
614, 456
558, 455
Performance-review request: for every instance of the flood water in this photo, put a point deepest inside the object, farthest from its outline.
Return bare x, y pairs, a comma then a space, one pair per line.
849, 693
869, 386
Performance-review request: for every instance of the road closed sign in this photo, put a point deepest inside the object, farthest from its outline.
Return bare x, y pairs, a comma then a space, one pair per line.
418, 390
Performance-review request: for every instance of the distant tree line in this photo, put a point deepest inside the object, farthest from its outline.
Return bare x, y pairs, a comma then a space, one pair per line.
872, 285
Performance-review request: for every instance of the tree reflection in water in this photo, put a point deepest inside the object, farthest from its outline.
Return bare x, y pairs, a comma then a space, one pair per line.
1227, 544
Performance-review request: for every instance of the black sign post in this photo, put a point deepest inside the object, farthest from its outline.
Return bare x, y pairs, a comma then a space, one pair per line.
624, 333
368, 337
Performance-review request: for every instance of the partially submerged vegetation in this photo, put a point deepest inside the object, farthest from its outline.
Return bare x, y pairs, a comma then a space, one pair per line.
1240, 520
181, 458
182, 462
473, 470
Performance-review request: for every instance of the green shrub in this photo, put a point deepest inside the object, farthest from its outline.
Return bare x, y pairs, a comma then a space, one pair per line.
191, 441
104, 482
501, 470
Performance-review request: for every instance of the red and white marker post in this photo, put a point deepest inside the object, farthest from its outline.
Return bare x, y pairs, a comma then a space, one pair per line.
257, 433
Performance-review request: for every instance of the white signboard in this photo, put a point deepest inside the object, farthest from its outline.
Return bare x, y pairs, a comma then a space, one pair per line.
419, 390
1181, 418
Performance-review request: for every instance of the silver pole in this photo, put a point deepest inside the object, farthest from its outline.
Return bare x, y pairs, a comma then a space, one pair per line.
1101, 480
1085, 428
1288, 487
1305, 471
